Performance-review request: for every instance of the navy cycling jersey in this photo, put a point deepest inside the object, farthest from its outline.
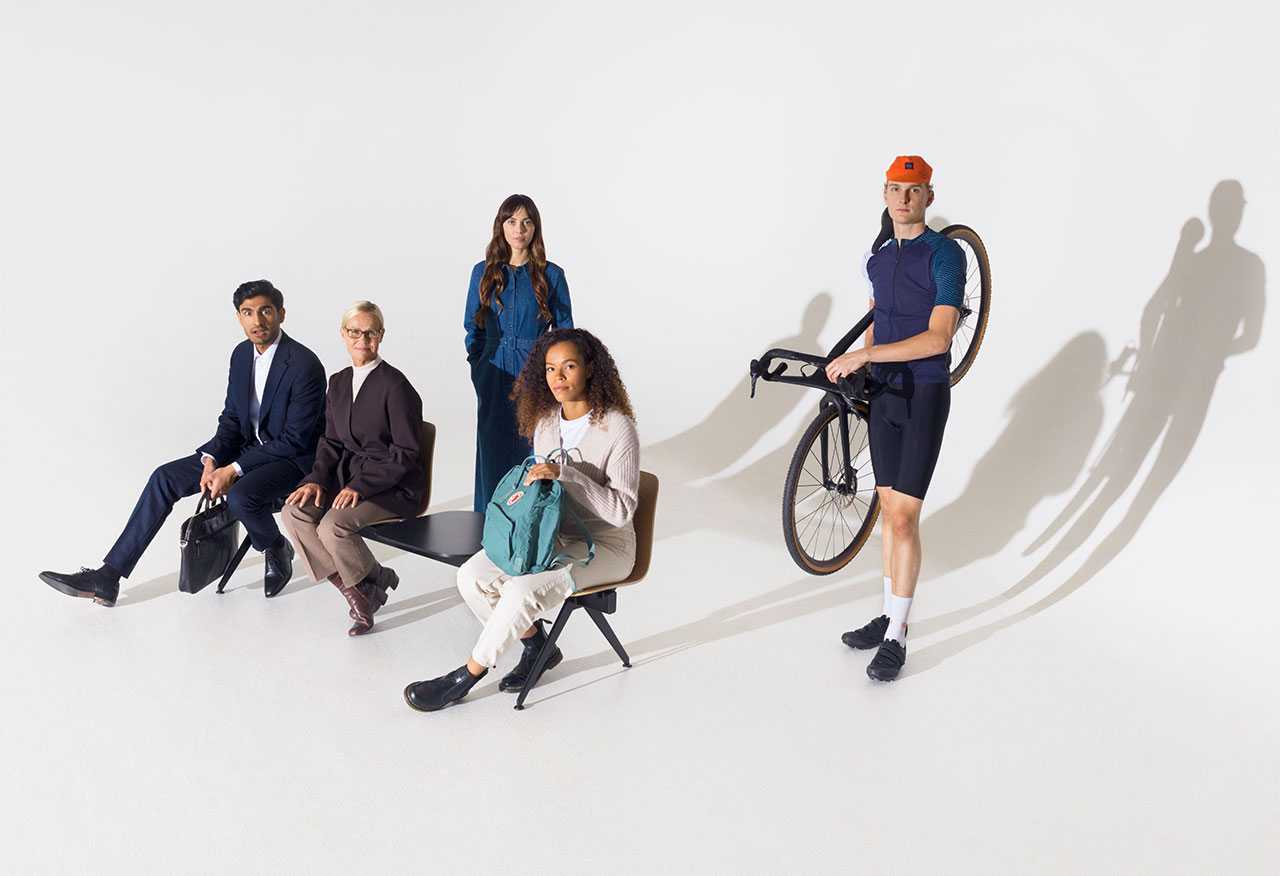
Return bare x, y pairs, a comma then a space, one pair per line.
907, 282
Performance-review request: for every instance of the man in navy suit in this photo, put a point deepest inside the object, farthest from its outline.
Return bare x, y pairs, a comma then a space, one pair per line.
265, 444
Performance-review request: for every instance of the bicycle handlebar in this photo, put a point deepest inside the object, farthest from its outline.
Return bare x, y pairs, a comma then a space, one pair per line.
852, 387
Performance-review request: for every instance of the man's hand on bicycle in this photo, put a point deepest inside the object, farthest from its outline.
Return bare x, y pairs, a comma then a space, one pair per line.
844, 365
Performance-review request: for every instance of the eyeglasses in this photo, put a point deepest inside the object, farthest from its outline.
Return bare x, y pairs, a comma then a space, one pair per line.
356, 334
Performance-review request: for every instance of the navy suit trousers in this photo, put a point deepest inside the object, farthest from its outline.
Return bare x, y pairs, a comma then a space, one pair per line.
251, 498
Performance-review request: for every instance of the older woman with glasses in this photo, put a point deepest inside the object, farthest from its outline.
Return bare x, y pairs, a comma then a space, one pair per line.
368, 470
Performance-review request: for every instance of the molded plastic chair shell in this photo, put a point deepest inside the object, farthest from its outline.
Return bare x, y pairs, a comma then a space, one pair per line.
643, 522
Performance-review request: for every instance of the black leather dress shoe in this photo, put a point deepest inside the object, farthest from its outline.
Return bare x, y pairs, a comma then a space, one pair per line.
279, 567
888, 661
869, 636
436, 693
515, 679
86, 584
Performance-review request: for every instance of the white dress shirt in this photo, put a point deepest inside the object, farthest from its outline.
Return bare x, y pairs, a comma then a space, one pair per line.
261, 368
359, 373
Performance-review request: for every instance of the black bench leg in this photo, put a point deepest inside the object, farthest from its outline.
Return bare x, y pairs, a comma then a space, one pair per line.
234, 563
545, 654
603, 624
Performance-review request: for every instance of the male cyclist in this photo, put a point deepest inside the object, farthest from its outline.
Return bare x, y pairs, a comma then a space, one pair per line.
916, 279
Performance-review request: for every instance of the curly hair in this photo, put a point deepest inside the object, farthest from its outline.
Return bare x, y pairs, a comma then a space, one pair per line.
605, 389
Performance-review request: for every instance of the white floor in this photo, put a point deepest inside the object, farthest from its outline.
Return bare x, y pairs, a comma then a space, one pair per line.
1129, 726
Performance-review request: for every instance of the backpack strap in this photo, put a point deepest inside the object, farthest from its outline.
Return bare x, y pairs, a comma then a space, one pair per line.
562, 455
586, 533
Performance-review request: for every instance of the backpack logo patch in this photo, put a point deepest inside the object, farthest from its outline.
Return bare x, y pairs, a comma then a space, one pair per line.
515, 497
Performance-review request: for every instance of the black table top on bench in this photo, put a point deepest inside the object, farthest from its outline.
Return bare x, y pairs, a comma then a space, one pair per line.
451, 537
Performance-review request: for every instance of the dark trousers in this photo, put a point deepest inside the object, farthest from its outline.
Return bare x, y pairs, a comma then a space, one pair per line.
499, 444
251, 498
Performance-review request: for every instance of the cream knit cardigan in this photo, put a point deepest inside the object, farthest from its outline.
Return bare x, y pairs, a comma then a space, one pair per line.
603, 483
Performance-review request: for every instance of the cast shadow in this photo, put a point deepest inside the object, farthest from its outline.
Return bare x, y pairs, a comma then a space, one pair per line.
1208, 308
416, 608
1025, 465
168, 584
1055, 419
794, 600
148, 590
734, 425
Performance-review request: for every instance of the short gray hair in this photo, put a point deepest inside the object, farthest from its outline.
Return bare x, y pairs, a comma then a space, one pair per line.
364, 307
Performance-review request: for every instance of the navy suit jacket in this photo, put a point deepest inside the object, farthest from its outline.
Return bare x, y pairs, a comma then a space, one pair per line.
291, 415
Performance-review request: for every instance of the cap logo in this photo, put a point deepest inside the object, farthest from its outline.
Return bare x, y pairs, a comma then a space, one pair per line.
909, 165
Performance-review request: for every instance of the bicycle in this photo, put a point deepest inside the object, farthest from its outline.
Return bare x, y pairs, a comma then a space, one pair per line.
826, 488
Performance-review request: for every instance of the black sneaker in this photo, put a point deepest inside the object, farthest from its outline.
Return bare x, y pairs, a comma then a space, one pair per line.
87, 584
888, 661
869, 636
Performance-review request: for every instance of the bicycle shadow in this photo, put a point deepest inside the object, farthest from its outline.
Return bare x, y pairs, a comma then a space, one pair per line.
1208, 308
689, 464
734, 425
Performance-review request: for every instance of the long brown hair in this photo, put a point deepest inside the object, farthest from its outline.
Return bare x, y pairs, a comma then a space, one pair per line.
498, 254
605, 388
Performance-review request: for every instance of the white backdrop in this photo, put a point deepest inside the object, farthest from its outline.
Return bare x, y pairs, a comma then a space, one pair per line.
708, 175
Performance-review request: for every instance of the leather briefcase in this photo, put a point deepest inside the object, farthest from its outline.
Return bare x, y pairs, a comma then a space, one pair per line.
208, 541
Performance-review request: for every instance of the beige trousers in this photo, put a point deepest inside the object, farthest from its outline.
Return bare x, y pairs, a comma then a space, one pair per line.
508, 605
328, 540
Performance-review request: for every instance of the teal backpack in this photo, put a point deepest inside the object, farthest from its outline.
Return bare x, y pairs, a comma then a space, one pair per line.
521, 523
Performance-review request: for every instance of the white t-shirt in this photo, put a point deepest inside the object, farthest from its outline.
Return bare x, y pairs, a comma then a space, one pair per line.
573, 431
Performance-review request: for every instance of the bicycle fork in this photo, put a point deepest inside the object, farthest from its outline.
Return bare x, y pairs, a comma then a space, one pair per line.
848, 484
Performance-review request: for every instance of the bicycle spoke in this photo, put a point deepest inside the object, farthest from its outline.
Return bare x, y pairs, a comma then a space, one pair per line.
810, 528
817, 529
852, 535
813, 512
818, 461
807, 495
816, 479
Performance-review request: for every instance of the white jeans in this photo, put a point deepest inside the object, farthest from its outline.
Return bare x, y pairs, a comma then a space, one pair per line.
508, 605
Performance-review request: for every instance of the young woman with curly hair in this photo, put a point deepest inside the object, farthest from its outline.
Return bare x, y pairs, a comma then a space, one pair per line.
514, 297
569, 397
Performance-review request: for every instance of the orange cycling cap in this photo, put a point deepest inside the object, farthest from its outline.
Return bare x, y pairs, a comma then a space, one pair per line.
909, 168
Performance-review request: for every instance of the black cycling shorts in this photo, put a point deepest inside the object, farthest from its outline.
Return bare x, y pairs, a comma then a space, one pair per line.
906, 435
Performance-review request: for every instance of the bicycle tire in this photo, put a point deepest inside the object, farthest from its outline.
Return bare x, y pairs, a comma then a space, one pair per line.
803, 537
972, 329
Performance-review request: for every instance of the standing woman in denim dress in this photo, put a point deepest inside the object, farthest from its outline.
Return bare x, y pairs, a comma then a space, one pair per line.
515, 296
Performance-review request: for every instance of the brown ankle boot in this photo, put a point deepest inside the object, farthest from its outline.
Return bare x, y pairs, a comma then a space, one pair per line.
336, 580
360, 611
375, 587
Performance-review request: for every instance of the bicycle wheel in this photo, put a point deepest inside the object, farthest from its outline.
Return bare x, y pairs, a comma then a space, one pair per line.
826, 524
977, 300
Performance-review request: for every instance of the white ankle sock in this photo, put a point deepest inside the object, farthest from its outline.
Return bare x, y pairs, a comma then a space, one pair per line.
899, 608
888, 594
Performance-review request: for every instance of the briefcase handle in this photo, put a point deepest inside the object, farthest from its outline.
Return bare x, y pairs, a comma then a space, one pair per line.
201, 506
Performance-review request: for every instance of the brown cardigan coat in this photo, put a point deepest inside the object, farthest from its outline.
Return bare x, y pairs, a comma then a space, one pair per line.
374, 445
